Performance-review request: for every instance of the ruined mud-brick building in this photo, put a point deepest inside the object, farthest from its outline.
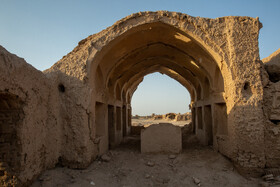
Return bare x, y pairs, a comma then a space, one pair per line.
80, 107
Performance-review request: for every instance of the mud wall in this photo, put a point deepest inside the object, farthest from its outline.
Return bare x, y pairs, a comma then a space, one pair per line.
245, 94
30, 126
77, 120
271, 77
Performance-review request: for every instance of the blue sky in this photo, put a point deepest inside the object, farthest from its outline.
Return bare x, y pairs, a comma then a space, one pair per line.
42, 32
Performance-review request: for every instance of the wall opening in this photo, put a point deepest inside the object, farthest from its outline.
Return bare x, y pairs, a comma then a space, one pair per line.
221, 118
129, 117
130, 59
119, 119
160, 94
11, 118
198, 93
101, 127
111, 125
100, 119
161, 99
208, 124
193, 120
247, 91
61, 88
199, 118
124, 121
206, 89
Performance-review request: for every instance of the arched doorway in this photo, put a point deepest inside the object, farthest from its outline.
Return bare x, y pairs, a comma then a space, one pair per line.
159, 47
211, 57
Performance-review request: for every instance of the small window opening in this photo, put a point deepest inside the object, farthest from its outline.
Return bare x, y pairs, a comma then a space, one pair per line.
61, 88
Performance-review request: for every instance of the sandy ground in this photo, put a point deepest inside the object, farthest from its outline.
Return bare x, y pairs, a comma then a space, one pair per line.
196, 166
147, 122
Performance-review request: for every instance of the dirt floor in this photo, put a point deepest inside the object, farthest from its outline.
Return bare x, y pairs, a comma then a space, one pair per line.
125, 166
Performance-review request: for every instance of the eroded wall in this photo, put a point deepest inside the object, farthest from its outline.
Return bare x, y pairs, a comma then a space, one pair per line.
30, 126
271, 77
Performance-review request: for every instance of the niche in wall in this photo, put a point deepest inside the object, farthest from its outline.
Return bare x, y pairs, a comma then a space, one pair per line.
221, 118
208, 123
100, 116
199, 118
124, 121
111, 125
119, 118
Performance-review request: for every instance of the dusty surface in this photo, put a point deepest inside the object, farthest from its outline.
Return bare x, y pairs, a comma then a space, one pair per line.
128, 167
148, 122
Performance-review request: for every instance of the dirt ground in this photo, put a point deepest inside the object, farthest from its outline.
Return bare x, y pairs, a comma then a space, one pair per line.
147, 122
125, 166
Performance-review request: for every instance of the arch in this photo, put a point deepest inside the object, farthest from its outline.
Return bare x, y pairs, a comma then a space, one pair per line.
184, 23
134, 82
138, 49
210, 56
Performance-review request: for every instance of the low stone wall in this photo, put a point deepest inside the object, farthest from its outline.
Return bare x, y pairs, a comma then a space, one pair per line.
163, 137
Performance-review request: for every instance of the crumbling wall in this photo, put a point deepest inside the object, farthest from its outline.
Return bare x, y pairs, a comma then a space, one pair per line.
31, 118
271, 77
244, 95
77, 119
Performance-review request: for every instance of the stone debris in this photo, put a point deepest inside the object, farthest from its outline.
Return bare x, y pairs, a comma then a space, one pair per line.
171, 165
105, 158
151, 164
172, 156
92, 183
147, 176
270, 180
268, 177
196, 181
72, 180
